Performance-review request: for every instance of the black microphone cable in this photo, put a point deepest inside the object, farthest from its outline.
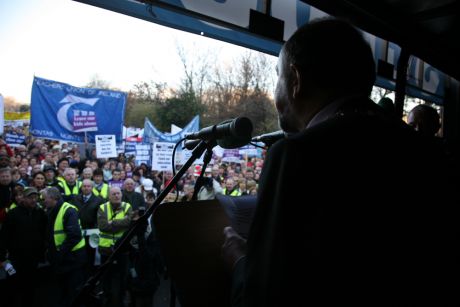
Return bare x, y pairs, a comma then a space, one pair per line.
174, 165
256, 145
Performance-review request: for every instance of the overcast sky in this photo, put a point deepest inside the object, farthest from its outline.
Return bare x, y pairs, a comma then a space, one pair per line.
70, 42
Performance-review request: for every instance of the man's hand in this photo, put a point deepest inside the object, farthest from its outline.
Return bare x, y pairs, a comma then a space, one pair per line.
234, 247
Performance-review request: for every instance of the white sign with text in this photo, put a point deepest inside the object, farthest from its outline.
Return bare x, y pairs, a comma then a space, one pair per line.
162, 156
106, 146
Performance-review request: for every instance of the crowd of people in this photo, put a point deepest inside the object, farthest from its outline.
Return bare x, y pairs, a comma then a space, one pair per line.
334, 209
44, 183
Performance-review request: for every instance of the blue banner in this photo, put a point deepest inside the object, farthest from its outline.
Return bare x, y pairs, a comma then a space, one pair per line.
152, 134
55, 105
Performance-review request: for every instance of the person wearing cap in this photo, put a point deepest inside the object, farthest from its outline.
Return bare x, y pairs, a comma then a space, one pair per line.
22, 243
66, 246
56, 148
50, 176
146, 188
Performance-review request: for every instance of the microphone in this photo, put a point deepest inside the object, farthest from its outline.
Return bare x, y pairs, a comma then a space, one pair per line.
191, 144
232, 133
269, 138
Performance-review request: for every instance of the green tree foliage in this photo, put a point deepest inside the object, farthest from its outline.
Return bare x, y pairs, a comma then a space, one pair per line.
24, 108
259, 108
149, 92
143, 101
136, 113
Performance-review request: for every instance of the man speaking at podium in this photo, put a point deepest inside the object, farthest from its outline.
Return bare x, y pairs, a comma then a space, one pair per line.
342, 217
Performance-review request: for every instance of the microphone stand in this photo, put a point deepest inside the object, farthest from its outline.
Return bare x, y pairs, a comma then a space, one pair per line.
206, 159
88, 288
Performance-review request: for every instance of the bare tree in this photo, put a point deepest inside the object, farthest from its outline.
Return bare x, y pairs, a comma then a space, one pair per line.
149, 92
196, 69
97, 82
243, 90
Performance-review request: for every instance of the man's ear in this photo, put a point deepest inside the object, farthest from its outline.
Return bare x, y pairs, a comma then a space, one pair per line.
296, 81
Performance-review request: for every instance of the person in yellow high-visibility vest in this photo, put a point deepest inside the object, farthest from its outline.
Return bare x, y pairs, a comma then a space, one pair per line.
231, 188
113, 219
70, 187
66, 251
101, 188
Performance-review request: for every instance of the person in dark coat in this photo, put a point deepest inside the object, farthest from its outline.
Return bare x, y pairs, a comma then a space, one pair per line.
88, 204
6, 191
344, 215
22, 243
66, 246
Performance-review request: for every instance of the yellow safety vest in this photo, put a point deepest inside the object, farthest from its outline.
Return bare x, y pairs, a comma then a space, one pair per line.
13, 205
104, 192
75, 189
59, 234
109, 239
235, 192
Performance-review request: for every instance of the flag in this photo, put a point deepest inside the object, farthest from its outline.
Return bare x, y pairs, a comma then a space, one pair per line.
64, 112
152, 134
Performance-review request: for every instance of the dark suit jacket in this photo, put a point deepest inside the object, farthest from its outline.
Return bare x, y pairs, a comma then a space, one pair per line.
355, 210
87, 211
